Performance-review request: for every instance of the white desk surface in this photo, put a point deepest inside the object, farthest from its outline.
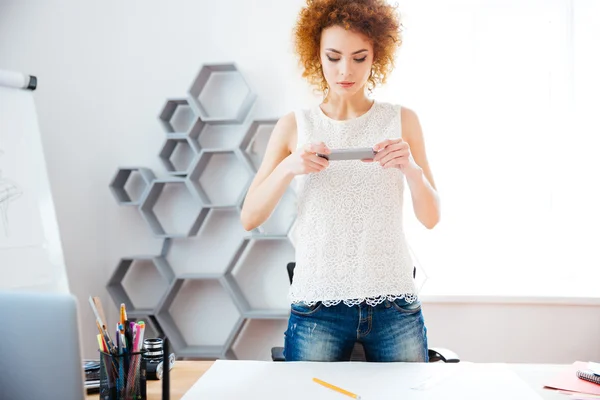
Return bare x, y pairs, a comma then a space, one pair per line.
536, 375
465, 381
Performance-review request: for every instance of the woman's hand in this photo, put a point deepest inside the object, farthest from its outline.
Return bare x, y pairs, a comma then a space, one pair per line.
395, 153
305, 160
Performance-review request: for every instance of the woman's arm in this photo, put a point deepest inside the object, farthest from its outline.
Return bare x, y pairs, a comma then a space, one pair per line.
272, 178
279, 166
408, 154
425, 199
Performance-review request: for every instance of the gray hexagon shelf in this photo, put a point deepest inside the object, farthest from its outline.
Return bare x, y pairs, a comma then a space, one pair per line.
228, 286
178, 153
221, 177
177, 117
258, 280
172, 208
199, 317
219, 242
254, 143
129, 185
124, 287
220, 94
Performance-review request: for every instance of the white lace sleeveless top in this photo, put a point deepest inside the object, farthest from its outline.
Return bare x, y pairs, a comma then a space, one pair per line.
349, 239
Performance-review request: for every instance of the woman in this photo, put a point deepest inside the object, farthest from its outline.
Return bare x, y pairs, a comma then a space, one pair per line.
353, 280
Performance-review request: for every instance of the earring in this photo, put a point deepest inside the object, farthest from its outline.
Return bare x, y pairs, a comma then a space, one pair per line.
325, 92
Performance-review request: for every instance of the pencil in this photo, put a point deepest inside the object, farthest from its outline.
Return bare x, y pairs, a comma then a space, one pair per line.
337, 389
123, 314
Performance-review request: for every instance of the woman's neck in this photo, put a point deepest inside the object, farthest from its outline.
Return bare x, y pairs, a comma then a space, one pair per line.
341, 108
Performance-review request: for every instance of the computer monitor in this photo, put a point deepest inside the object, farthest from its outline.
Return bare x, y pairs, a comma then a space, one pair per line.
40, 355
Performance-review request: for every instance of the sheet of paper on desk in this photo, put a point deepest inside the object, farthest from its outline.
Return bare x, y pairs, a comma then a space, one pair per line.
594, 367
238, 380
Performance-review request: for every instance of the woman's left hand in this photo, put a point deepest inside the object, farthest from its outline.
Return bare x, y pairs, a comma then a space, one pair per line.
395, 153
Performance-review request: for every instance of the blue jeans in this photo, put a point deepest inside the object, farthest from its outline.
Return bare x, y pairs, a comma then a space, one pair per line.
389, 332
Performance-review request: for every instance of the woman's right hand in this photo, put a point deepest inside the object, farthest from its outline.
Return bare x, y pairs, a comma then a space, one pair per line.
305, 160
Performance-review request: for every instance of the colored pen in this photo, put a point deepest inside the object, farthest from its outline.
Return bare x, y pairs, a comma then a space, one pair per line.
122, 337
336, 388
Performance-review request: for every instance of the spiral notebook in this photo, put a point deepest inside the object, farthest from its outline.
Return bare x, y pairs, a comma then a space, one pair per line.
568, 380
588, 376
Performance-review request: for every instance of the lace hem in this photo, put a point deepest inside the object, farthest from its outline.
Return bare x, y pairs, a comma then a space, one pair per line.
371, 301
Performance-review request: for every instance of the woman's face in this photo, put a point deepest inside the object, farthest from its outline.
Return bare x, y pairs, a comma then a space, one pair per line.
346, 57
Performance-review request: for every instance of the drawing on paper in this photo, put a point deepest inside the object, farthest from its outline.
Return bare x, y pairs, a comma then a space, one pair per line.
9, 192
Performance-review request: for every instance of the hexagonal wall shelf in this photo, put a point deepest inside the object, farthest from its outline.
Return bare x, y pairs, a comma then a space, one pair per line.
258, 281
220, 94
178, 153
221, 177
173, 209
124, 287
129, 185
220, 241
229, 286
177, 117
198, 316
254, 143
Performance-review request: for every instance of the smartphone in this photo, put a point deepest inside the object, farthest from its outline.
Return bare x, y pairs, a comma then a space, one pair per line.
359, 153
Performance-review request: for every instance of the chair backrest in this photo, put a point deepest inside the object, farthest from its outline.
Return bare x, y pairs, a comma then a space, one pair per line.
290, 271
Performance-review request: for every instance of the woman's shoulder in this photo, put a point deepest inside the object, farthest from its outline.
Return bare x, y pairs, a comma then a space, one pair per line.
404, 111
288, 119
300, 118
389, 106
294, 115
285, 129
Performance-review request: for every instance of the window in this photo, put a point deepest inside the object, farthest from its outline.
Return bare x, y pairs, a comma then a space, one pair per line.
507, 93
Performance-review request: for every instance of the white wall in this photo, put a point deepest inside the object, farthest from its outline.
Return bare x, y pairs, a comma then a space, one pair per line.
531, 333
105, 70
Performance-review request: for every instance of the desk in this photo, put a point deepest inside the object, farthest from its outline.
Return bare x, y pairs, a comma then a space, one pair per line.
185, 373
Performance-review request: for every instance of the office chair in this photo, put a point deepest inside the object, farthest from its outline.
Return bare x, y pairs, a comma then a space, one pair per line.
358, 352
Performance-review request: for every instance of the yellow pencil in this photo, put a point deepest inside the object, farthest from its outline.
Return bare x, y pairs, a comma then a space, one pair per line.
123, 315
337, 389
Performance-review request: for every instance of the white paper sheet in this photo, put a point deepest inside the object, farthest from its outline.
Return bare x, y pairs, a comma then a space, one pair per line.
240, 380
594, 367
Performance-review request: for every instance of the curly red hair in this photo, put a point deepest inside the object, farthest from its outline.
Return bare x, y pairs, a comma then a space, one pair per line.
375, 19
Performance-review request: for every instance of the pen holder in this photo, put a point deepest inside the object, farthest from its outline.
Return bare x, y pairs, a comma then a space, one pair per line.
122, 377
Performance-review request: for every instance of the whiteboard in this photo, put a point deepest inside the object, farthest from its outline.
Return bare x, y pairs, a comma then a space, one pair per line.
31, 256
